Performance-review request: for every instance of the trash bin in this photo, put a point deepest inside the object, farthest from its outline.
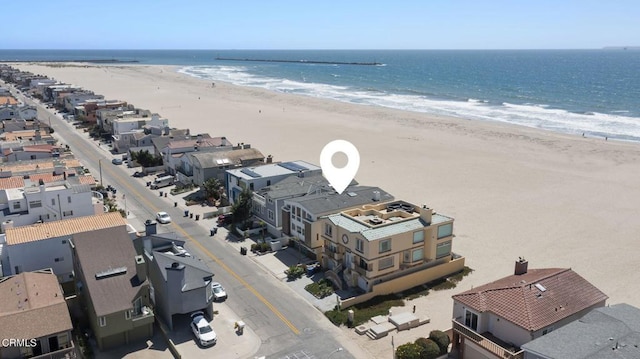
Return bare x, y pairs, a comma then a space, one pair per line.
175, 204
239, 326
165, 195
197, 217
186, 213
243, 251
212, 232
160, 193
190, 215
148, 184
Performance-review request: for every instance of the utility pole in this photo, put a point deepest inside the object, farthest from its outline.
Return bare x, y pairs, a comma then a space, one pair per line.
100, 166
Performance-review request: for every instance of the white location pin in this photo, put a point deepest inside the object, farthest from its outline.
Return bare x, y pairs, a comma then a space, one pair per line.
339, 178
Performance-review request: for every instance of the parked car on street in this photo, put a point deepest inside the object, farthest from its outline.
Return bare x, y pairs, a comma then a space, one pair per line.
218, 291
224, 219
116, 161
201, 328
163, 217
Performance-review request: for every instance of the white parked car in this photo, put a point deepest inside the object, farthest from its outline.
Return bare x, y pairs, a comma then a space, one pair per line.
202, 330
163, 217
218, 291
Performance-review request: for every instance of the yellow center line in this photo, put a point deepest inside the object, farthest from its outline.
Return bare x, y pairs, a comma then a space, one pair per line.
216, 259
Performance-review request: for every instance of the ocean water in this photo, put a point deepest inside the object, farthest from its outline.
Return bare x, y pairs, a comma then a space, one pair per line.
595, 92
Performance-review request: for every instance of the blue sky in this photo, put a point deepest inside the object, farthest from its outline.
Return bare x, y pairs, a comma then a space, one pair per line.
328, 24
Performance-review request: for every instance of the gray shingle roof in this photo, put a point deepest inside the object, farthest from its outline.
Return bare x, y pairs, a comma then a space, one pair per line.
603, 333
325, 203
294, 186
196, 272
208, 159
99, 251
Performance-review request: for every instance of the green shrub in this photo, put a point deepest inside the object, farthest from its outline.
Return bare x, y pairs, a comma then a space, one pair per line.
409, 351
294, 272
321, 289
265, 247
428, 348
441, 339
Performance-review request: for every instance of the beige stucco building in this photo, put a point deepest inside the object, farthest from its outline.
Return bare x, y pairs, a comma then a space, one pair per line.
387, 247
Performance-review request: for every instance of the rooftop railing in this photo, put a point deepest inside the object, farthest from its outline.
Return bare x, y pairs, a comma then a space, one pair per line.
486, 343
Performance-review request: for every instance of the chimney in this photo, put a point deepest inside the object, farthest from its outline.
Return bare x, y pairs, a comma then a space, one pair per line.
521, 266
175, 278
150, 227
269, 159
376, 196
300, 173
426, 213
141, 268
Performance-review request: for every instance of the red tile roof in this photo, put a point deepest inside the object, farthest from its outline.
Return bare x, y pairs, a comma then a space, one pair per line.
11, 182
45, 177
517, 299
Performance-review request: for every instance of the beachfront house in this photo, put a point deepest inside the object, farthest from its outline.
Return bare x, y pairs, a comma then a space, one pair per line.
180, 283
384, 248
260, 176
174, 149
133, 131
75, 98
33, 309
496, 319
300, 215
45, 245
44, 197
214, 164
610, 332
268, 201
111, 281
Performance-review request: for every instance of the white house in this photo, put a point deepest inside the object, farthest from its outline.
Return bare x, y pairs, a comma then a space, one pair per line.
257, 177
45, 245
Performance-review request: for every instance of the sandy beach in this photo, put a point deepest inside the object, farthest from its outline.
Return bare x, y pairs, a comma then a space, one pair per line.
557, 200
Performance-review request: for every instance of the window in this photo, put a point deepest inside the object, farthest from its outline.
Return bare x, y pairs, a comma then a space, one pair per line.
270, 214
385, 263
16, 205
270, 200
35, 204
69, 199
418, 237
53, 201
127, 315
59, 259
67, 213
103, 321
417, 255
471, 320
251, 186
64, 241
268, 182
364, 265
445, 230
443, 249
359, 245
328, 230
384, 245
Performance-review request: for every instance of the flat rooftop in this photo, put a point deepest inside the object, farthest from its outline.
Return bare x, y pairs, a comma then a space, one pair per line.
274, 169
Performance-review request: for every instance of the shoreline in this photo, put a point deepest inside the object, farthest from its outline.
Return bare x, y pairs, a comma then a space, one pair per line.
559, 200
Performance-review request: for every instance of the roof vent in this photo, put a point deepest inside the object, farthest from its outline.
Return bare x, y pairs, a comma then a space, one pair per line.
375, 220
111, 272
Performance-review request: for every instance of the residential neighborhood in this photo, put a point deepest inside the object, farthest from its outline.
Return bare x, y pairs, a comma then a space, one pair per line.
87, 270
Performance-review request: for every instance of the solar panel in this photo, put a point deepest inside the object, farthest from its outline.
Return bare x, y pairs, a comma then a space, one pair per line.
292, 166
251, 173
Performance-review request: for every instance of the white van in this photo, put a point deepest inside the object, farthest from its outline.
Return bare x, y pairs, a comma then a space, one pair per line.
163, 181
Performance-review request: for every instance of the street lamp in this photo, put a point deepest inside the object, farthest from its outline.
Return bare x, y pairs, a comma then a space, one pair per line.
100, 166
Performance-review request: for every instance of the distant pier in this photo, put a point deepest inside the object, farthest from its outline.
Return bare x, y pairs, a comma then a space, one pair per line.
302, 61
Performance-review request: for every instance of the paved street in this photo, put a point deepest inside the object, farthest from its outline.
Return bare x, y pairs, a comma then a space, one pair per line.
279, 322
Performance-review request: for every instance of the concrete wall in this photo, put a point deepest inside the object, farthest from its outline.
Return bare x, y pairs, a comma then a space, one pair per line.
409, 281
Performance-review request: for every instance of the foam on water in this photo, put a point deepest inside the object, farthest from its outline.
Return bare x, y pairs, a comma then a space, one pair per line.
531, 115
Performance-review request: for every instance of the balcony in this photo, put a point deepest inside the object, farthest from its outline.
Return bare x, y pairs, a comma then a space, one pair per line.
65, 353
144, 317
488, 342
